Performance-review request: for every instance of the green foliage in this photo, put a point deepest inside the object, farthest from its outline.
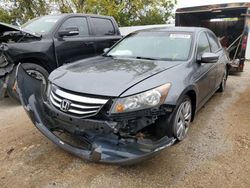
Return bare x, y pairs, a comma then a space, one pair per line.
126, 12
5, 16
25, 10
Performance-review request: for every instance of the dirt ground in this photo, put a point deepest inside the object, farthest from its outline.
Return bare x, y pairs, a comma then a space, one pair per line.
216, 152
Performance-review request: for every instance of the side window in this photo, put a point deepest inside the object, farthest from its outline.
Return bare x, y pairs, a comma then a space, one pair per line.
103, 26
203, 44
215, 46
79, 22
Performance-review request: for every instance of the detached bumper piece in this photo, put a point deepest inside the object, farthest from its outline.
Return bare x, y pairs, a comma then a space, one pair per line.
105, 147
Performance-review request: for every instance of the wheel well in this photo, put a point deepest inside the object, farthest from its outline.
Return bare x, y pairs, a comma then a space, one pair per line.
192, 95
35, 61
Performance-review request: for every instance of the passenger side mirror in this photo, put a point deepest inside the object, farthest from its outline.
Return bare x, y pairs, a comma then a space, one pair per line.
106, 50
69, 31
209, 58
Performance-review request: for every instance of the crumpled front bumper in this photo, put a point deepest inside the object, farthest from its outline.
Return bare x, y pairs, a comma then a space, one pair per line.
99, 148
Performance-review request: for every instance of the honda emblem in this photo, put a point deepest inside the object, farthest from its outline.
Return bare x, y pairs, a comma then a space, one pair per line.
65, 105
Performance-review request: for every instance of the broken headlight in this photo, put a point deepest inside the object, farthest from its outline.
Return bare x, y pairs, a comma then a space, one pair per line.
141, 101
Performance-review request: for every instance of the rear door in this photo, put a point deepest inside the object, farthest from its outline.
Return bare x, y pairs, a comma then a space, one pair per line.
71, 48
105, 33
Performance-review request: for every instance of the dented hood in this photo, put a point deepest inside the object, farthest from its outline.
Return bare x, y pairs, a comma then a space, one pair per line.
11, 28
107, 76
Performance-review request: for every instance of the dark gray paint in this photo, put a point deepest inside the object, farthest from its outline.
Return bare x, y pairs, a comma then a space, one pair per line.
119, 77
114, 77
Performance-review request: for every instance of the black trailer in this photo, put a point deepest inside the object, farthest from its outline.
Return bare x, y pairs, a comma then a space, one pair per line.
230, 22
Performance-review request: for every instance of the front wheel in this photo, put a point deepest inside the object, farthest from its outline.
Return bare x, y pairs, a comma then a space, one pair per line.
182, 119
34, 70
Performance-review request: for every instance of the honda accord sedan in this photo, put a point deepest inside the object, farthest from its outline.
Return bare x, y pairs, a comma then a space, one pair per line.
136, 99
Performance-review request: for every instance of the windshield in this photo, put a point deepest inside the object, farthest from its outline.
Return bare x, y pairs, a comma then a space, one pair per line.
41, 25
171, 46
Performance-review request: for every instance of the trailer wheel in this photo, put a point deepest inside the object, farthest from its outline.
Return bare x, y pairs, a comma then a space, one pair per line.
34, 70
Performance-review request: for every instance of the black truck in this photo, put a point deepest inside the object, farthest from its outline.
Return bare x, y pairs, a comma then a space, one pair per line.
45, 43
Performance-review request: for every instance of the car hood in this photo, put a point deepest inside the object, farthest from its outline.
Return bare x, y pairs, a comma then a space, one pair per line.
11, 28
107, 76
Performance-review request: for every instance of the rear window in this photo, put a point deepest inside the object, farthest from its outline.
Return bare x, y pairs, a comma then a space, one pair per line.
103, 26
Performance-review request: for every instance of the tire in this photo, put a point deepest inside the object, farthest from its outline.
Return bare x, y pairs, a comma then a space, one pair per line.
168, 125
182, 118
223, 82
32, 69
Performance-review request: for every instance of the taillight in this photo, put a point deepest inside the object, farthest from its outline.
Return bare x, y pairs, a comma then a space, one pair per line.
244, 42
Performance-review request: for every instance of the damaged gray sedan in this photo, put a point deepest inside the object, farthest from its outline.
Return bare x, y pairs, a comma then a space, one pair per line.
136, 99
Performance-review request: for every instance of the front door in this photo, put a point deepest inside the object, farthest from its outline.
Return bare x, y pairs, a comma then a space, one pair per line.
204, 74
72, 48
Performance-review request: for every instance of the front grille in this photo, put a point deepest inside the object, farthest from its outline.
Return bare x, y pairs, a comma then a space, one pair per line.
79, 105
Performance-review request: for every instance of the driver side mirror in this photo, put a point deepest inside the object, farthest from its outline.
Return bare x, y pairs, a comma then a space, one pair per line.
69, 31
208, 57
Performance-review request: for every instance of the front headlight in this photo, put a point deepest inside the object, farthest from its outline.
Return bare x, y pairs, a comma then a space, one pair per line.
143, 100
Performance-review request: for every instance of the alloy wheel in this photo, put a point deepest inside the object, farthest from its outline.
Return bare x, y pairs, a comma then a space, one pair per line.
182, 120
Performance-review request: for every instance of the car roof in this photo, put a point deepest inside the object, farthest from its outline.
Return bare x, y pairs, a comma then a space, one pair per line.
174, 29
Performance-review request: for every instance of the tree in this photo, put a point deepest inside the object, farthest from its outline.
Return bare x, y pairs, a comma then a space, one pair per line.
5, 16
23, 10
126, 12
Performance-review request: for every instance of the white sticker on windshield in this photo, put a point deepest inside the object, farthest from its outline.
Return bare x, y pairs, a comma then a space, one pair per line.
180, 36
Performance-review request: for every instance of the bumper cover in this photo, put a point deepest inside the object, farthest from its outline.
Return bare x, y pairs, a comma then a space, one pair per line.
105, 148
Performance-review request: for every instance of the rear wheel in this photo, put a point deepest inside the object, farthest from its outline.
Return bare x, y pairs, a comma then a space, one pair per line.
34, 70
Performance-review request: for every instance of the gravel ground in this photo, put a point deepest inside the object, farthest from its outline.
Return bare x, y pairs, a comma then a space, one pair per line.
215, 153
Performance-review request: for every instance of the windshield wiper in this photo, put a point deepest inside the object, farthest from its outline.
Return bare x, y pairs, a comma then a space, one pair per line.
105, 55
147, 58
